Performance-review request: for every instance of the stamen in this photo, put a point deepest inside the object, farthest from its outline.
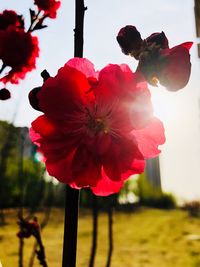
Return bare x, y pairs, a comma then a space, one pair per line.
154, 81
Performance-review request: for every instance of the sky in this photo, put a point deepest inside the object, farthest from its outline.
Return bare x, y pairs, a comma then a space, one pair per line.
180, 111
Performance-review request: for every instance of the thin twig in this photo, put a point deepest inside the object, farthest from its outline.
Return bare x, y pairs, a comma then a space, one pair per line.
21, 252
30, 228
2, 68
42, 226
30, 29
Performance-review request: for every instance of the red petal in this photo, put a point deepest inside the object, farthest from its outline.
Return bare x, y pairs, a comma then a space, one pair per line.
61, 169
43, 126
35, 137
123, 159
176, 73
105, 186
64, 94
149, 138
86, 169
83, 65
187, 45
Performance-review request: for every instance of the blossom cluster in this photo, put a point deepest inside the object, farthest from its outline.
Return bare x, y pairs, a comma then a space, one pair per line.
18, 47
98, 127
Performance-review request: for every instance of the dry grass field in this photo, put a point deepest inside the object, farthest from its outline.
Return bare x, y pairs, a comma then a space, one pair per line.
146, 238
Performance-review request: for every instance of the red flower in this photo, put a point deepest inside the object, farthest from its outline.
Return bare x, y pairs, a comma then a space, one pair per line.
157, 62
48, 6
175, 73
18, 50
10, 18
170, 66
96, 131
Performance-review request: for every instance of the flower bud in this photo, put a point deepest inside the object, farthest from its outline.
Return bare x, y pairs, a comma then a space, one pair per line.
33, 100
130, 41
159, 38
4, 94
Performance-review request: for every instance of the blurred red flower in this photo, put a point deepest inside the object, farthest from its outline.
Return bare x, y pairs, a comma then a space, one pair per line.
18, 50
48, 6
10, 18
97, 129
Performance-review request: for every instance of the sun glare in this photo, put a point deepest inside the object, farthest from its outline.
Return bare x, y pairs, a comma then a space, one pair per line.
163, 103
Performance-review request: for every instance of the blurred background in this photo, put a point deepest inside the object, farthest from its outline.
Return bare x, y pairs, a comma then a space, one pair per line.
171, 180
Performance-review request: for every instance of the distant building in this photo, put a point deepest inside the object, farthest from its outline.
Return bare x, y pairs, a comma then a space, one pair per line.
28, 148
197, 20
153, 172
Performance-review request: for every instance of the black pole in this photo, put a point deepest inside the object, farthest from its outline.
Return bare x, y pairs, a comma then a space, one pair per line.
95, 230
78, 31
72, 195
70, 227
21, 202
110, 235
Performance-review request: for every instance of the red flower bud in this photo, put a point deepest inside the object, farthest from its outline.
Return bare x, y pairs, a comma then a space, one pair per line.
130, 41
159, 38
4, 94
33, 98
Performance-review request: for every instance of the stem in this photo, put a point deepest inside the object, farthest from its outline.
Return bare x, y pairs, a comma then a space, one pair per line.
33, 22
2, 68
42, 226
110, 235
41, 252
70, 227
21, 250
95, 230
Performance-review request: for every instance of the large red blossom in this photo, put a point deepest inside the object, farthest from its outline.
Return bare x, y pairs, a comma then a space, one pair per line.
96, 130
18, 50
49, 7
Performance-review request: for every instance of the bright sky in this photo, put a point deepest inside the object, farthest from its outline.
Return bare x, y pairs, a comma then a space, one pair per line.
180, 157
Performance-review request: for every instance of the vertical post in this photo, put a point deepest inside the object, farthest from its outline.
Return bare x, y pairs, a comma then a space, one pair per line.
72, 195
70, 227
110, 235
95, 230
21, 187
78, 31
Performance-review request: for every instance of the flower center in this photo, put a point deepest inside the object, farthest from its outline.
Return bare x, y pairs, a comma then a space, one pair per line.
154, 81
97, 125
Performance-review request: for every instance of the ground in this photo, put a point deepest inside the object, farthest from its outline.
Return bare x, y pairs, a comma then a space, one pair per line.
146, 238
